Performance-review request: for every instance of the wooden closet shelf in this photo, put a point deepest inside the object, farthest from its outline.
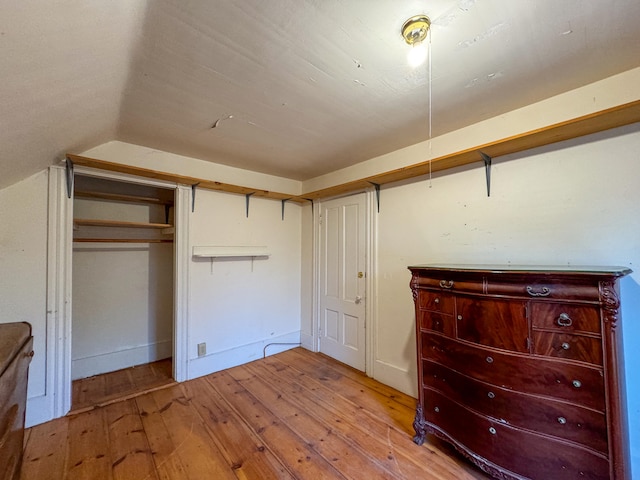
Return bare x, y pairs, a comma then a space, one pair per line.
116, 197
122, 240
92, 222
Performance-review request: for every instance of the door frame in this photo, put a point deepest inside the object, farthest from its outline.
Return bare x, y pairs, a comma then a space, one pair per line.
59, 281
370, 297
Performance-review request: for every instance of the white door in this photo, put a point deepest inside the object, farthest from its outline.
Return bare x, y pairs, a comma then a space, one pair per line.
342, 280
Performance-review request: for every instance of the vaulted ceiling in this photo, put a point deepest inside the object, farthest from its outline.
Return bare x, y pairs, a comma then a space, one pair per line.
295, 88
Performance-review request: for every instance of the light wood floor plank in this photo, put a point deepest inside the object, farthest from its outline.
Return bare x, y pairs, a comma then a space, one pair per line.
297, 456
101, 390
378, 437
130, 453
168, 464
242, 447
45, 451
330, 385
294, 415
344, 455
191, 443
88, 447
290, 357
363, 431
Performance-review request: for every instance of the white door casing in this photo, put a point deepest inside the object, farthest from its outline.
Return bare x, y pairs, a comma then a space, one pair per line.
59, 248
342, 275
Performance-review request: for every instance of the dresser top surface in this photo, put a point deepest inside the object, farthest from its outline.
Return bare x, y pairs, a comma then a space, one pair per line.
614, 271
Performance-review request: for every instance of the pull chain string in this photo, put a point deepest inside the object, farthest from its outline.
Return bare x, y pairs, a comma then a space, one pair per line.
430, 101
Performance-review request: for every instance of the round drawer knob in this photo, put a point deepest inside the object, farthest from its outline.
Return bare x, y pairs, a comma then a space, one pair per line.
436, 409
491, 395
577, 383
565, 346
562, 420
459, 317
437, 300
492, 431
489, 359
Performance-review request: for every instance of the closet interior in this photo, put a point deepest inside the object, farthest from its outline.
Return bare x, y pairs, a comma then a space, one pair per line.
122, 289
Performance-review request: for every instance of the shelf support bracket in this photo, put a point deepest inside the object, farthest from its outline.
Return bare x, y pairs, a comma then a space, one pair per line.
193, 197
69, 176
487, 169
310, 200
284, 200
247, 197
377, 187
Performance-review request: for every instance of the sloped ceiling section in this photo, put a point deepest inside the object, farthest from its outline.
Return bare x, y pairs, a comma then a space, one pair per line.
63, 66
295, 88
299, 88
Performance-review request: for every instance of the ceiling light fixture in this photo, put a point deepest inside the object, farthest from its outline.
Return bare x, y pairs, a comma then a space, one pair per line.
414, 31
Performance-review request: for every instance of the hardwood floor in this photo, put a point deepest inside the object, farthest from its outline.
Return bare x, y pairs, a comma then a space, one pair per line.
101, 390
294, 415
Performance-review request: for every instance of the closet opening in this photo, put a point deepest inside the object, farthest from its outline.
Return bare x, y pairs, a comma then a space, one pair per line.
122, 324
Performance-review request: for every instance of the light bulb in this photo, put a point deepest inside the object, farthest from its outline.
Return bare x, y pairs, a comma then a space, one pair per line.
417, 55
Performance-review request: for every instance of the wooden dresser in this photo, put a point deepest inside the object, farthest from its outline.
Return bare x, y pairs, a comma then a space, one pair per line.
520, 368
15, 354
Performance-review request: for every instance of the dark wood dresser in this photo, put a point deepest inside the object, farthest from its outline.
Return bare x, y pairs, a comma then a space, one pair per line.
521, 369
15, 354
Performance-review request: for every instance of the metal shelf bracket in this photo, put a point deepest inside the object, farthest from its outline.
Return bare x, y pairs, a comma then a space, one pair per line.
487, 169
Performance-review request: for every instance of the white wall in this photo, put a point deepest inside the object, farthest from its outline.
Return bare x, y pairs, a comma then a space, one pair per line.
238, 305
573, 203
23, 267
234, 310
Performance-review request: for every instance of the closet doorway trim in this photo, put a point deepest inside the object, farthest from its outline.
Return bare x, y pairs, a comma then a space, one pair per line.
60, 280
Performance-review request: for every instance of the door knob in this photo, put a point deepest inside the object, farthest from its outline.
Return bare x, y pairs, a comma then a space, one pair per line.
358, 299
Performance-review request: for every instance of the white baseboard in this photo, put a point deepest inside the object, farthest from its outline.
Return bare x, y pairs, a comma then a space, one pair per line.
396, 377
216, 361
108, 362
307, 341
38, 411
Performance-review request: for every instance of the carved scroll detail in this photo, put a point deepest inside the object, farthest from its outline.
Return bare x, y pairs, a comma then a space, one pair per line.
414, 289
419, 425
610, 302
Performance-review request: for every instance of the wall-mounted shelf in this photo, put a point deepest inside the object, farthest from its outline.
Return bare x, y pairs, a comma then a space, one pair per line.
116, 197
122, 240
230, 251
94, 222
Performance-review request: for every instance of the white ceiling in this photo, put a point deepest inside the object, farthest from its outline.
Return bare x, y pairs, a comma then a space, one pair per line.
300, 87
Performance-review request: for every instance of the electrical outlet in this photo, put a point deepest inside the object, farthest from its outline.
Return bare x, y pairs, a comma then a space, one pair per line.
202, 349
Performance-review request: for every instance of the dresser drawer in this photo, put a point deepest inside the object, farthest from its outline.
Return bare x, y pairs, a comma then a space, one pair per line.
435, 301
531, 455
437, 322
564, 317
450, 282
550, 377
566, 345
551, 417
493, 322
542, 287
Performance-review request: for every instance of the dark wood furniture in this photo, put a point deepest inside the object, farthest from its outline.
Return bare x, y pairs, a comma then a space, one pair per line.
15, 354
520, 368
